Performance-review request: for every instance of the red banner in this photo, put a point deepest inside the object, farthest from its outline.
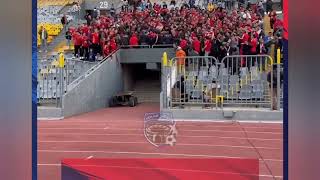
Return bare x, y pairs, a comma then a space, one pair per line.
161, 169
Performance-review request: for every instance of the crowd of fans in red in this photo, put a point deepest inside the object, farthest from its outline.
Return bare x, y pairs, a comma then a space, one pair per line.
201, 32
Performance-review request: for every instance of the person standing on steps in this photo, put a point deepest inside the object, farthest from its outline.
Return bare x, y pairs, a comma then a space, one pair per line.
64, 22
44, 37
88, 18
68, 38
78, 10
181, 57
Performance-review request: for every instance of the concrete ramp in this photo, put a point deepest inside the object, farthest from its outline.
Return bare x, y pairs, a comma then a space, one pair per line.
94, 90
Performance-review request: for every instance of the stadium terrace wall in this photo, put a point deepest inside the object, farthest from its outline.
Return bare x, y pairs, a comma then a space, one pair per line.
91, 4
144, 55
90, 94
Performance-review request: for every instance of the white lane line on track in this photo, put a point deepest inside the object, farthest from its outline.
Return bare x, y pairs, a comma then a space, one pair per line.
228, 121
218, 123
106, 134
179, 125
178, 144
262, 122
170, 169
145, 153
89, 157
107, 127
134, 129
187, 121
140, 125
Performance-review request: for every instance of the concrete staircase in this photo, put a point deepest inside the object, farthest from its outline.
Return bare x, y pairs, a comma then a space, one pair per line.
58, 42
147, 91
65, 8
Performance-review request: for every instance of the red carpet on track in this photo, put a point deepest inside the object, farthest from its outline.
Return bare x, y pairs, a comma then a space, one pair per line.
160, 169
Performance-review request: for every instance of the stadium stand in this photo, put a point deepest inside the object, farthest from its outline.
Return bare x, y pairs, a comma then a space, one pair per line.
164, 26
49, 17
51, 82
42, 3
247, 86
216, 32
225, 72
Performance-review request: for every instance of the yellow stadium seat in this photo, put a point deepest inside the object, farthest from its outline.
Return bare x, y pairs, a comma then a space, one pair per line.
52, 29
42, 3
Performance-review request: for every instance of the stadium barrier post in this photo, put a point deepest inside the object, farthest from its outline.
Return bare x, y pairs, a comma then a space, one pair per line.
172, 65
67, 74
164, 78
61, 67
57, 75
271, 83
278, 78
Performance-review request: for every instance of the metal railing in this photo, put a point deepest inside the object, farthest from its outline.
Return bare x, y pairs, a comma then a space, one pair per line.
246, 81
83, 75
191, 81
134, 46
51, 83
162, 46
281, 89
54, 81
75, 68
147, 46
237, 81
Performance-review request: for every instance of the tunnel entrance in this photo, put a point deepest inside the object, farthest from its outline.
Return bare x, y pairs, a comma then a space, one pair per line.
144, 79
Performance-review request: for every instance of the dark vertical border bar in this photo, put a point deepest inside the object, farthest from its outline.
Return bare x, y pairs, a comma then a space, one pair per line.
285, 11
34, 91
285, 111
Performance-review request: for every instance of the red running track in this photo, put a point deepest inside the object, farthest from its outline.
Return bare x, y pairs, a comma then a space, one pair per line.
118, 133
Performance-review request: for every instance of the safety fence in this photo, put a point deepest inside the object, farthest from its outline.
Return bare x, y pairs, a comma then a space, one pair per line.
244, 80
235, 81
280, 103
53, 80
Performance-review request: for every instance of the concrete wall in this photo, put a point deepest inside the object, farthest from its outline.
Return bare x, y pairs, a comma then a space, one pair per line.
89, 93
83, 10
128, 80
239, 114
143, 55
91, 4
94, 91
49, 113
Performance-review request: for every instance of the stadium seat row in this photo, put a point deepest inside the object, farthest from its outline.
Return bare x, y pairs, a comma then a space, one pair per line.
52, 29
42, 3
